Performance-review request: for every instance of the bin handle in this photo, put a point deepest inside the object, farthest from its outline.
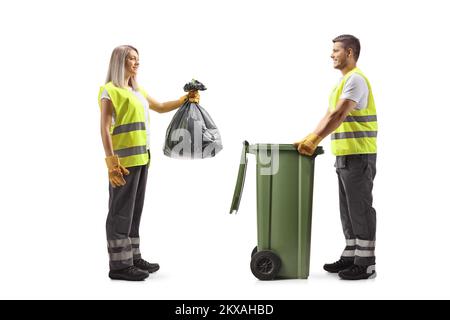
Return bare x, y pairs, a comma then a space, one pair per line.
319, 150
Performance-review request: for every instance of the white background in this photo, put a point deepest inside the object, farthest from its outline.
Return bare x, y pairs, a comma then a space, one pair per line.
267, 68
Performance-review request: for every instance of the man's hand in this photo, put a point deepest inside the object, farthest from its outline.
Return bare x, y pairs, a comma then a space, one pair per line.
308, 145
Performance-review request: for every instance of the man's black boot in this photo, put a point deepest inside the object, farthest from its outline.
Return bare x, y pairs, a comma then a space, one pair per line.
145, 265
130, 273
341, 264
357, 272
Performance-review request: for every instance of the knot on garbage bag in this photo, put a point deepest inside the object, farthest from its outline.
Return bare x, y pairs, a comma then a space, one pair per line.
194, 85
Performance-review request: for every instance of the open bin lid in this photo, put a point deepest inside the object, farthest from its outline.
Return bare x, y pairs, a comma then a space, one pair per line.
240, 179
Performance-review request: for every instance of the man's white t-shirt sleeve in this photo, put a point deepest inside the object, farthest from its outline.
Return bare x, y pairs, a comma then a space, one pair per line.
356, 89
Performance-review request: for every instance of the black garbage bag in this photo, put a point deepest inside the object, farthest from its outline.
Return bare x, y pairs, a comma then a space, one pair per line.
192, 134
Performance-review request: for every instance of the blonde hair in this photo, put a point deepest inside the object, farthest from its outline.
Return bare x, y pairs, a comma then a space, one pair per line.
116, 70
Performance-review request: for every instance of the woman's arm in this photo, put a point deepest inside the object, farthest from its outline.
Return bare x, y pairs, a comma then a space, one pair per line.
105, 125
193, 96
163, 107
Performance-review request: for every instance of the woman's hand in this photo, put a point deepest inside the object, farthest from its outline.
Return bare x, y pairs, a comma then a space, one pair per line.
116, 171
194, 96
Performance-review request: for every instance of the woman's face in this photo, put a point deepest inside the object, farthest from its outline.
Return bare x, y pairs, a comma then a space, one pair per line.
132, 63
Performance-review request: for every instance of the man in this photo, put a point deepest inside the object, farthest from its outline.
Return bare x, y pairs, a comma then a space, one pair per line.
352, 122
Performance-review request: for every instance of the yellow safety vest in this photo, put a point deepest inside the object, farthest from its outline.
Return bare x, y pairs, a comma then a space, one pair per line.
129, 137
358, 133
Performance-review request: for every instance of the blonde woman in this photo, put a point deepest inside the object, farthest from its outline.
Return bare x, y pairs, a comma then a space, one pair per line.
125, 136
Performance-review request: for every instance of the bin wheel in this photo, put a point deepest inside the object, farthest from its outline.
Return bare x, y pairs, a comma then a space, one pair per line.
255, 250
265, 265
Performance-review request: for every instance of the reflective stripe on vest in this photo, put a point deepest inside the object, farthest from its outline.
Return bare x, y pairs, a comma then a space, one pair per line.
358, 133
128, 134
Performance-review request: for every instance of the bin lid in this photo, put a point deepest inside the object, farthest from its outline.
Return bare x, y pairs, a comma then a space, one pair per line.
282, 147
240, 179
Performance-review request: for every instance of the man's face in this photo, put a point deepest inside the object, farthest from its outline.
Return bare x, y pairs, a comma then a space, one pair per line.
340, 56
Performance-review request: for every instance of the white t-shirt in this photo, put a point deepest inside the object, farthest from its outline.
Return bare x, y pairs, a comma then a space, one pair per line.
145, 105
356, 89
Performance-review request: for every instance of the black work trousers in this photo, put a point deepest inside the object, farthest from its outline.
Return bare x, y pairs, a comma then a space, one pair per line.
356, 174
124, 216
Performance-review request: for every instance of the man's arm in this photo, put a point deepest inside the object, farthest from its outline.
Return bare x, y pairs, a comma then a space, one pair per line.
332, 120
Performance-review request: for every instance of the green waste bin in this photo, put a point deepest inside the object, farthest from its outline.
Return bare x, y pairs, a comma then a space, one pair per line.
284, 209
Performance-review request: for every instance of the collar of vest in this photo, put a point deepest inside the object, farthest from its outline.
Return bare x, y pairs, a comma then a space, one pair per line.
354, 70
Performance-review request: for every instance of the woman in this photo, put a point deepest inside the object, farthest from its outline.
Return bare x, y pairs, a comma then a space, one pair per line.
125, 136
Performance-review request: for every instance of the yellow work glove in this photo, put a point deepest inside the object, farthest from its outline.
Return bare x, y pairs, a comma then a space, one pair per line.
193, 96
308, 145
116, 171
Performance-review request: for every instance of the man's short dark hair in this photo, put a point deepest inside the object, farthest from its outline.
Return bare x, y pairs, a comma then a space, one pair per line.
349, 41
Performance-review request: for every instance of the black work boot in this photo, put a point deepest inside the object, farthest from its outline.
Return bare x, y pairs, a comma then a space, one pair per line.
341, 264
130, 273
357, 272
145, 265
